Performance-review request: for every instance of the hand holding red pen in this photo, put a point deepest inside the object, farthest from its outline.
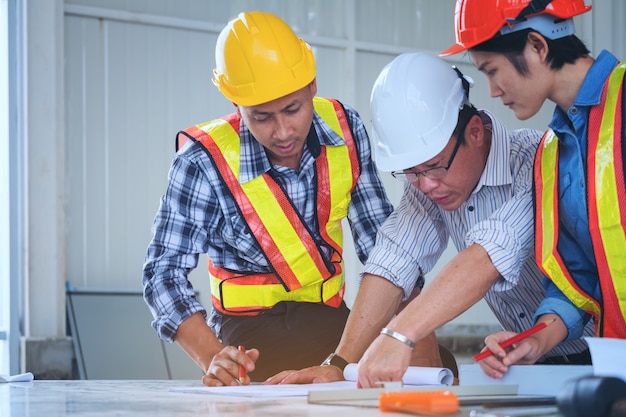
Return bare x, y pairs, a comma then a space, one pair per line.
504, 349
230, 366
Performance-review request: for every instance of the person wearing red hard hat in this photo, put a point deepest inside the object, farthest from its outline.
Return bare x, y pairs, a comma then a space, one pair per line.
263, 193
529, 53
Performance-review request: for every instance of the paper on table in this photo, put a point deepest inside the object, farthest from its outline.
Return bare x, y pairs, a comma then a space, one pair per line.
607, 356
27, 377
267, 391
414, 375
531, 379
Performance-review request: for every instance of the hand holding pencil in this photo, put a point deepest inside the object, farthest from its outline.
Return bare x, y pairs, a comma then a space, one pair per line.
515, 339
523, 348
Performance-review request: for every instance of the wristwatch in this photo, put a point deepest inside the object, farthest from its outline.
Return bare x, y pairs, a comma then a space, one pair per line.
335, 360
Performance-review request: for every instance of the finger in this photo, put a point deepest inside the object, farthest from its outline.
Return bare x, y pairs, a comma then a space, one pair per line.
246, 359
315, 375
522, 354
278, 378
491, 371
211, 381
495, 366
492, 342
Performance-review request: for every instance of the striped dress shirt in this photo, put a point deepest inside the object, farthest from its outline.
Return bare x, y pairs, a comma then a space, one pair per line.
498, 216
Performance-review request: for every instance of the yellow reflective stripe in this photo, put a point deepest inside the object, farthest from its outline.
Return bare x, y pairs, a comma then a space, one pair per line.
548, 156
226, 139
340, 178
326, 110
551, 265
235, 296
283, 234
341, 184
609, 219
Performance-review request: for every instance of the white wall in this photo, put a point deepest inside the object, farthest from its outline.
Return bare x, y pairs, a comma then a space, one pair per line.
4, 188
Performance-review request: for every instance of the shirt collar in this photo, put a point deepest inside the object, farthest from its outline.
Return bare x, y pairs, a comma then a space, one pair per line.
590, 91
497, 171
254, 161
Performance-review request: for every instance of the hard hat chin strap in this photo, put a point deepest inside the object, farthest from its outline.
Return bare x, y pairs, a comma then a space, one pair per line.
466, 81
534, 7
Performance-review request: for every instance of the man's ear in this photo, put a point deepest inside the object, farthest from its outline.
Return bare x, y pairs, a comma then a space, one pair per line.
237, 109
536, 43
313, 86
474, 130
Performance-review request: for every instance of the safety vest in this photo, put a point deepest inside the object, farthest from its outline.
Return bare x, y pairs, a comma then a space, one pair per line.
300, 269
606, 202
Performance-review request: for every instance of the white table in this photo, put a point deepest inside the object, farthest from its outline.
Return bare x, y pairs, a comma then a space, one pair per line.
102, 398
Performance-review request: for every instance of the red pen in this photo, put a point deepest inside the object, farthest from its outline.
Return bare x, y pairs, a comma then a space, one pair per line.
242, 369
517, 338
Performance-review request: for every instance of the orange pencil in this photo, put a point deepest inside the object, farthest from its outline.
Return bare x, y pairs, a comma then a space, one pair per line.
517, 338
242, 369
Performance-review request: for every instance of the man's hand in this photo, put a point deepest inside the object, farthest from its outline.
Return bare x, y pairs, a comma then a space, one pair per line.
313, 374
525, 352
528, 351
385, 360
224, 368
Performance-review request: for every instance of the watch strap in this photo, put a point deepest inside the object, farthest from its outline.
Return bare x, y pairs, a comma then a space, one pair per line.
335, 360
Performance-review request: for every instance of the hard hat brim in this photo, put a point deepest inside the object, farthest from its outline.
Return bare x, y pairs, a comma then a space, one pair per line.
453, 50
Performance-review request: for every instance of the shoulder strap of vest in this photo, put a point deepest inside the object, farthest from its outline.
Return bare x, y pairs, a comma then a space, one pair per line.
333, 113
186, 135
607, 201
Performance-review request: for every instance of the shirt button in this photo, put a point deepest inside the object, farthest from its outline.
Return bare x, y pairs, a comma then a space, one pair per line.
522, 315
470, 208
573, 110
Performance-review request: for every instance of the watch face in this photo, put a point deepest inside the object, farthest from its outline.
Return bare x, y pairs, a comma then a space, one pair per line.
328, 360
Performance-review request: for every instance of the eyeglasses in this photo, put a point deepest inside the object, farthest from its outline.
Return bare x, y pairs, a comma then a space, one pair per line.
436, 173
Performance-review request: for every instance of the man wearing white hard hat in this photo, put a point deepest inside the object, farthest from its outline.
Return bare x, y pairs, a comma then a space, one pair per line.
467, 178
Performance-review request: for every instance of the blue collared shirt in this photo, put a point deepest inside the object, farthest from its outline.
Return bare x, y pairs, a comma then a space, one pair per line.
574, 240
196, 216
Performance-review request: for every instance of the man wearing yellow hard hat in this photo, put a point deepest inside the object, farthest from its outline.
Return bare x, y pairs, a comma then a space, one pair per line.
263, 192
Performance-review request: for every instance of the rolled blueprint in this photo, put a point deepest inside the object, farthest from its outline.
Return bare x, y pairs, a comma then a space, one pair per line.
414, 375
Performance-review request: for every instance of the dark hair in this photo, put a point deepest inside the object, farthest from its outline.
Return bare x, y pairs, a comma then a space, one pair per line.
465, 115
561, 51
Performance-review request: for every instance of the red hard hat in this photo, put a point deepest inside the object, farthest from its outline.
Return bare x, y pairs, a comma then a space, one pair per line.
477, 21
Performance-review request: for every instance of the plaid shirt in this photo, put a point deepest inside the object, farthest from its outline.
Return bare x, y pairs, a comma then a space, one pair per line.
197, 215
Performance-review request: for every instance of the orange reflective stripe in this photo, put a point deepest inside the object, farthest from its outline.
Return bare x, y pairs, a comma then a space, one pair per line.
546, 226
606, 193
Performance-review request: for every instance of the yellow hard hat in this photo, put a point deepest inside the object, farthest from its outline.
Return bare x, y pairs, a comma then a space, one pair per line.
259, 58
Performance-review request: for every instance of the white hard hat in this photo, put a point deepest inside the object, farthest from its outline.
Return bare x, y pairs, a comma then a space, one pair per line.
415, 106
